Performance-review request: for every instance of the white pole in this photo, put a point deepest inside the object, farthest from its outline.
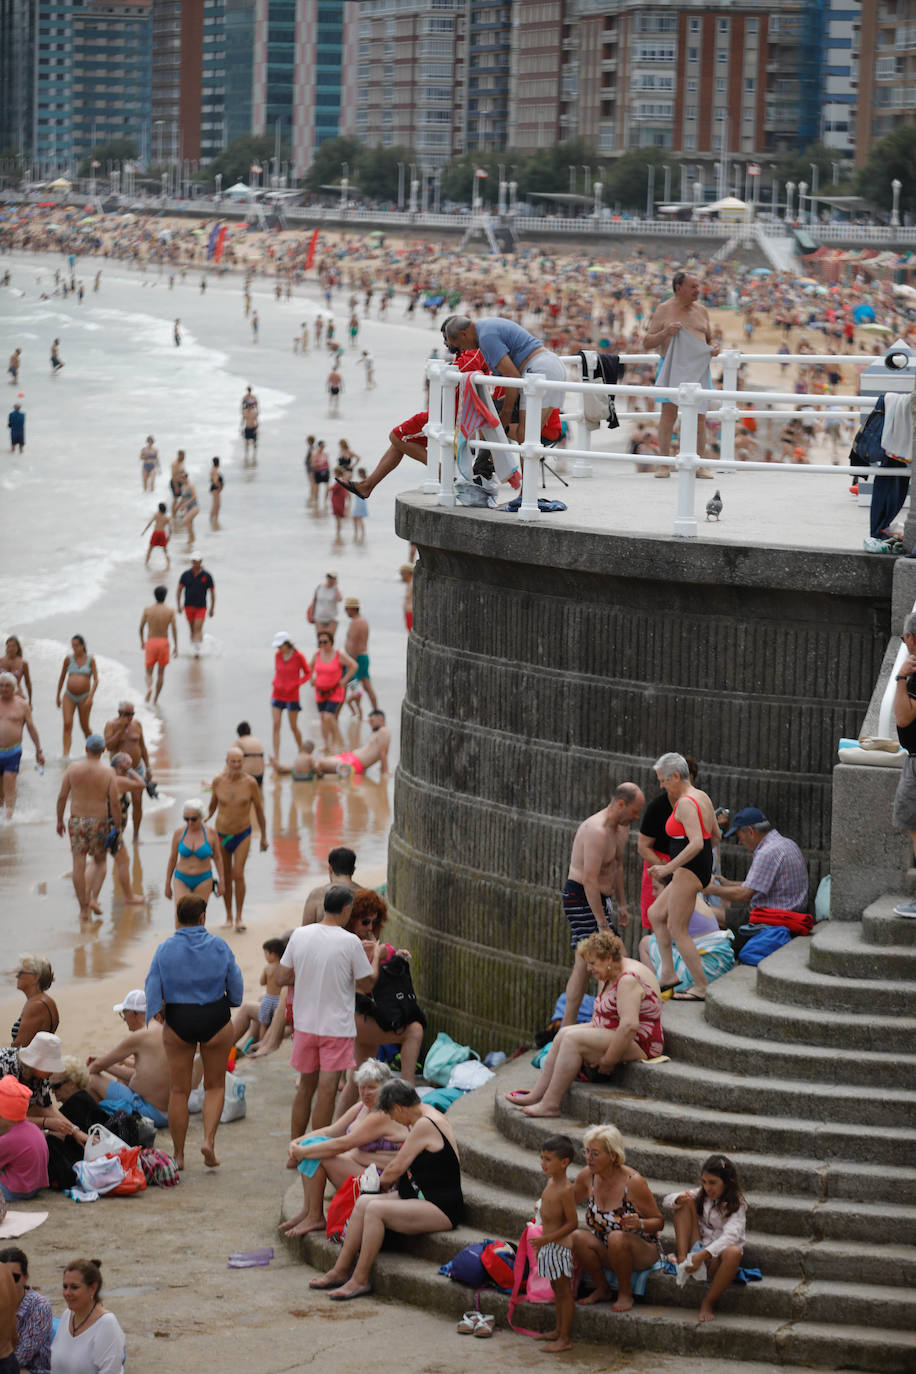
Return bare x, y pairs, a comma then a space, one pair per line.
730, 359
447, 438
582, 467
688, 400
534, 394
432, 427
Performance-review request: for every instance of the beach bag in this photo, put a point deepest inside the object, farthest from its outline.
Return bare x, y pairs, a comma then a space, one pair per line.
394, 1001
444, 1055
134, 1180
867, 449
767, 940
527, 1285
234, 1105
159, 1169
469, 1075
467, 1265
125, 1124
498, 1260
341, 1205
795, 922
99, 1175
101, 1142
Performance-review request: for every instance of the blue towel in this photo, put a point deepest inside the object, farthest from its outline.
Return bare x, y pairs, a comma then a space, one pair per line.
640, 1278
309, 1167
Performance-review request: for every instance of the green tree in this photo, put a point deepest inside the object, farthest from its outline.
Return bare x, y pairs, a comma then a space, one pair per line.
627, 182
235, 162
118, 150
458, 177
894, 158
377, 172
328, 160
797, 166
548, 169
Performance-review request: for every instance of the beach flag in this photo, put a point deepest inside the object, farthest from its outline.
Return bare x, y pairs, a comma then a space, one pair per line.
310, 255
211, 241
473, 413
220, 243
255, 169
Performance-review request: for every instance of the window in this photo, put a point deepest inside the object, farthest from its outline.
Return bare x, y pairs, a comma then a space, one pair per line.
690, 111
722, 56
752, 27
694, 26
693, 54
723, 26
721, 84
750, 84
691, 85
690, 141
720, 114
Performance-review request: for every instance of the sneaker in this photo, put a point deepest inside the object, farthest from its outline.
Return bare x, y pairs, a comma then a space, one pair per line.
905, 909
704, 472
663, 472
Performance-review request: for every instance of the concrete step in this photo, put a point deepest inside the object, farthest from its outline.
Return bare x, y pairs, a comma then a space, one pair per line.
838, 948
728, 1131
701, 1086
674, 1330
734, 1005
799, 1197
492, 1209
690, 1038
881, 927
786, 977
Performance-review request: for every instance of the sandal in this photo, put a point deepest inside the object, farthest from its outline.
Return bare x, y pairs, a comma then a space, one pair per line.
687, 997
469, 1323
486, 1325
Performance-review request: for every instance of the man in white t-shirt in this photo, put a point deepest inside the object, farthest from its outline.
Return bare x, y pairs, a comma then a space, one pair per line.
327, 966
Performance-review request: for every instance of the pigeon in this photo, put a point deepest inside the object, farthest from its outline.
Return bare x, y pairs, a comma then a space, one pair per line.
714, 506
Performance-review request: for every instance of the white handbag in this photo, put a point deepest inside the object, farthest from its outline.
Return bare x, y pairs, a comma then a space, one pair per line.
102, 1142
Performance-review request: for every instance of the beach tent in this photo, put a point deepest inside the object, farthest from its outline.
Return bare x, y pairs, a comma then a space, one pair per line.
61, 184
239, 190
730, 210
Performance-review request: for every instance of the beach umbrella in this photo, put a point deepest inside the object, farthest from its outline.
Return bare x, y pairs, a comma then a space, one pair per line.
864, 314
762, 272
876, 329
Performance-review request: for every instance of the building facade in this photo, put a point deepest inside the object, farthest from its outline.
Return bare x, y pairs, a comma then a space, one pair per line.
111, 73
887, 71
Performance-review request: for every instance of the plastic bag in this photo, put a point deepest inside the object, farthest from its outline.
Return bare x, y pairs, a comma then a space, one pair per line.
444, 1055
99, 1175
234, 1106
469, 1075
370, 1180
134, 1180
102, 1142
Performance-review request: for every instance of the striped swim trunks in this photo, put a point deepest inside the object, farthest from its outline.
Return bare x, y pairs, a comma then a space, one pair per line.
555, 1261
579, 914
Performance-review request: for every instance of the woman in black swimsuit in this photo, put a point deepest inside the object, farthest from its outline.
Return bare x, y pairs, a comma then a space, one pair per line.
33, 978
692, 831
427, 1162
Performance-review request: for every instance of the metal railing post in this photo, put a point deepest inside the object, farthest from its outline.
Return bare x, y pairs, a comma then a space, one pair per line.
731, 363
582, 467
431, 484
688, 401
534, 395
447, 438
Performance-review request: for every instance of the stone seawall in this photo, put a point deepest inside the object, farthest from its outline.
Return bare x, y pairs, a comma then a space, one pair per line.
549, 663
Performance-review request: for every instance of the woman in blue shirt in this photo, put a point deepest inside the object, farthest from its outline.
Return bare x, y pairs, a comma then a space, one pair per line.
194, 980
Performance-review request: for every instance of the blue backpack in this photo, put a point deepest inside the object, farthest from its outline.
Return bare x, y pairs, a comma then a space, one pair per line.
767, 941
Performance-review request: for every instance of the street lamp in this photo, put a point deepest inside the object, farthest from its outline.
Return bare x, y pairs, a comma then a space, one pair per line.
802, 189
650, 191
790, 188
667, 171
896, 188
402, 167
344, 185
834, 168
597, 188
812, 204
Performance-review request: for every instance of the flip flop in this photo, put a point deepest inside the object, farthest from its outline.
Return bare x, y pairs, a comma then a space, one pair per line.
348, 486
319, 1287
669, 987
687, 997
360, 1293
517, 1092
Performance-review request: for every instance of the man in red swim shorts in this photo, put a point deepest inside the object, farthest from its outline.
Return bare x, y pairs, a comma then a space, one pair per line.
195, 586
157, 620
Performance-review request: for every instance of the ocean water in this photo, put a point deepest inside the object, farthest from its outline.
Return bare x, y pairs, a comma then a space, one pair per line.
71, 561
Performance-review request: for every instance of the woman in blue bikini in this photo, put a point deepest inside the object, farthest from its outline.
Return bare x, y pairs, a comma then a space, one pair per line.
82, 678
195, 848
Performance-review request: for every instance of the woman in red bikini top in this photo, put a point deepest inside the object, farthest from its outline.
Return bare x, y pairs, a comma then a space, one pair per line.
692, 830
331, 670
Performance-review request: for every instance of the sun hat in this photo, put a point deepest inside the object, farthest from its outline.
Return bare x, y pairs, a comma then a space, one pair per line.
14, 1098
134, 1001
43, 1053
351, 603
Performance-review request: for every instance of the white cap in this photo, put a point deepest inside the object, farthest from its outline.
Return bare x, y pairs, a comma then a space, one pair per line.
281, 638
197, 556
134, 1001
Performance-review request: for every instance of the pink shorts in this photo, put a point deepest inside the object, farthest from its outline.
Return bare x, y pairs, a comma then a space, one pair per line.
325, 1052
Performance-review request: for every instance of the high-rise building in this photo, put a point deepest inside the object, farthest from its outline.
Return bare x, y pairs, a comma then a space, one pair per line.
488, 38
111, 73
887, 71
407, 59
839, 76
17, 35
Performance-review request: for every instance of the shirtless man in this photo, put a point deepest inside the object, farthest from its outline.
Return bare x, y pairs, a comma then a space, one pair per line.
157, 619
595, 883
13, 367
56, 361
149, 460
680, 311
250, 422
177, 478
124, 735
252, 752
159, 539
15, 716
348, 764
137, 1064
95, 810
357, 646
335, 387
232, 798
341, 867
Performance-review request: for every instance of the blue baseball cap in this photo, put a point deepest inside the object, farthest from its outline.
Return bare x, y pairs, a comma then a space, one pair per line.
751, 815
95, 744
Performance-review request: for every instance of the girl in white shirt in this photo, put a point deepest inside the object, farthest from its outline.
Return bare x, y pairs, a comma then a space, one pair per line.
89, 1339
709, 1227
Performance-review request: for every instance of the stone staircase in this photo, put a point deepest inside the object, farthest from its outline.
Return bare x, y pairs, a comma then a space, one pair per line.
787, 1070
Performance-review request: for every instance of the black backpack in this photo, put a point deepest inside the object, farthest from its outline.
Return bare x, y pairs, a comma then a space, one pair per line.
393, 1003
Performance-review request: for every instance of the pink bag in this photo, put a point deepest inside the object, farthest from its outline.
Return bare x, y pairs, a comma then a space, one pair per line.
528, 1285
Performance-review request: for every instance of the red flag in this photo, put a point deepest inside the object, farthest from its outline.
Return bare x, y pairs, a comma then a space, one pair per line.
220, 244
479, 172
310, 255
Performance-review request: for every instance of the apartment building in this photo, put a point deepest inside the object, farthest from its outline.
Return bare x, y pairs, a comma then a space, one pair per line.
887, 71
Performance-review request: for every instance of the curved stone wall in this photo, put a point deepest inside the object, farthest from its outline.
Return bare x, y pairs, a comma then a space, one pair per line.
546, 665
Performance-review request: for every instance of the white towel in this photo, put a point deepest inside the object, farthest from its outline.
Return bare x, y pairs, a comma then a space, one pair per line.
897, 434
687, 360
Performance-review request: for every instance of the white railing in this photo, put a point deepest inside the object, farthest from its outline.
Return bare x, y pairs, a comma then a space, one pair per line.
441, 428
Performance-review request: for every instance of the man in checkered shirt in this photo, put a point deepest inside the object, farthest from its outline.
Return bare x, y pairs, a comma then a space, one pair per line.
778, 875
